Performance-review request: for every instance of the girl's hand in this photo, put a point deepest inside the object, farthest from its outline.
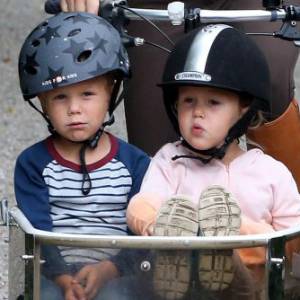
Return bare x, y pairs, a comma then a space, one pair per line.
249, 226
149, 230
91, 6
94, 276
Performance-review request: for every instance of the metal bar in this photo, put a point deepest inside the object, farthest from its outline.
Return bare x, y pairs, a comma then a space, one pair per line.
153, 242
212, 16
4, 211
227, 16
36, 269
29, 249
275, 268
151, 14
267, 273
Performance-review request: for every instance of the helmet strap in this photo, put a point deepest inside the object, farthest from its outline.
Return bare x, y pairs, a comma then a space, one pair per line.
205, 155
115, 100
93, 142
235, 132
50, 126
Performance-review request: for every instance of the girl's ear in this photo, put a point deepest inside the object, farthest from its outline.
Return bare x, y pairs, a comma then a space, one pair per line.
244, 110
176, 105
245, 102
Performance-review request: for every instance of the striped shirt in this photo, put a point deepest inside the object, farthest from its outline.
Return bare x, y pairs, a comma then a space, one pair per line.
48, 191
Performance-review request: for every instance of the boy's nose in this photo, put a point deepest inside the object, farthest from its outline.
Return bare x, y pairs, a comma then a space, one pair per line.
74, 107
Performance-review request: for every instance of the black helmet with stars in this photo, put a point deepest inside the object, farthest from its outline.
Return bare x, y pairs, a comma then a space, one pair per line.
69, 48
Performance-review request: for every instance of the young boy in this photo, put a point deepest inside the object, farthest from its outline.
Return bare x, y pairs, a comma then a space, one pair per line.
79, 179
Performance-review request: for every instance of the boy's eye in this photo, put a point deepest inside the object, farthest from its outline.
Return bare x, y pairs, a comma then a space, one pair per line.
88, 94
59, 97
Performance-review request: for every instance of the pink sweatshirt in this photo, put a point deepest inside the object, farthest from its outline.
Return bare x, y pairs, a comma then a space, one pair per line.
264, 188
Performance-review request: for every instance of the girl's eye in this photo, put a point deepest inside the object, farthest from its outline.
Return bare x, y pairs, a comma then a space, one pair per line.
214, 102
188, 100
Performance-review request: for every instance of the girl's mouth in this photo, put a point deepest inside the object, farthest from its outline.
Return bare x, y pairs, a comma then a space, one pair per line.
197, 130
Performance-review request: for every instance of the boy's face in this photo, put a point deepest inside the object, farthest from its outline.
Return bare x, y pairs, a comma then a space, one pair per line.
77, 111
206, 114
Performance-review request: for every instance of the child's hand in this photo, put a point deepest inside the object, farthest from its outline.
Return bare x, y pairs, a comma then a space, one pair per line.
249, 226
141, 213
149, 230
75, 292
71, 291
94, 276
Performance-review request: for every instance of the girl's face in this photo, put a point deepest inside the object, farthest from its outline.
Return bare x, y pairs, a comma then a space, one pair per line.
77, 111
206, 114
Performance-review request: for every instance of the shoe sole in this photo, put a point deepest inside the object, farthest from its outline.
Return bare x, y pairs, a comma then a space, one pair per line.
172, 269
219, 215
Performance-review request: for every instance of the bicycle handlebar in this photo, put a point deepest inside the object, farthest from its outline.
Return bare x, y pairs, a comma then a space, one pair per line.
116, 11
206, 16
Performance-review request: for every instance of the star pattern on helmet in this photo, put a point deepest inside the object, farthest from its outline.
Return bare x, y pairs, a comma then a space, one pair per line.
51, 32
103, 22
80, 18
25, 90
118, 61
75, 48
30, 60
56, 77
99, 42
99, 70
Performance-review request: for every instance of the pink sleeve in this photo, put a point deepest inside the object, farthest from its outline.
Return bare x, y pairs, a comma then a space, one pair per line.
285, 213
286, 206
158, 185
162, 177
141, 213
249, 226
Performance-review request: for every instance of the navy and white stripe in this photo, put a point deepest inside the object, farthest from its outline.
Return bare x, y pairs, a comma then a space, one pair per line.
103, 211
48, 191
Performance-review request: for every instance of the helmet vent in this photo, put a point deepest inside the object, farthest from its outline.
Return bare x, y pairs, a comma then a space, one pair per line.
74, 32
31, 70
69, 17
35, 43
83, 56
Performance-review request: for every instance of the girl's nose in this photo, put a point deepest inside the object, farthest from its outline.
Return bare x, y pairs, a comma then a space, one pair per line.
199, 111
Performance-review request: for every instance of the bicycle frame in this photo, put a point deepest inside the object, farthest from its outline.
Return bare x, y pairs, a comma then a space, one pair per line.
117, 11
212, 16
274, 243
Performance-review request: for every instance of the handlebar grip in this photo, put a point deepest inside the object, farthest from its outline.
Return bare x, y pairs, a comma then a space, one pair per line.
52, 7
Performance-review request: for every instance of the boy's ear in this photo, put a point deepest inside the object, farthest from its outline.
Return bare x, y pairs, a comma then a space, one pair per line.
111, 84
43, 102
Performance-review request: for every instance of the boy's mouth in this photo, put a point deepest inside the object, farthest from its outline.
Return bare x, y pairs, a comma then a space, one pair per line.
77, 125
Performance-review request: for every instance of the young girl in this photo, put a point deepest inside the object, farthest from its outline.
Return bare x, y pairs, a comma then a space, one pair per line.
215, 84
